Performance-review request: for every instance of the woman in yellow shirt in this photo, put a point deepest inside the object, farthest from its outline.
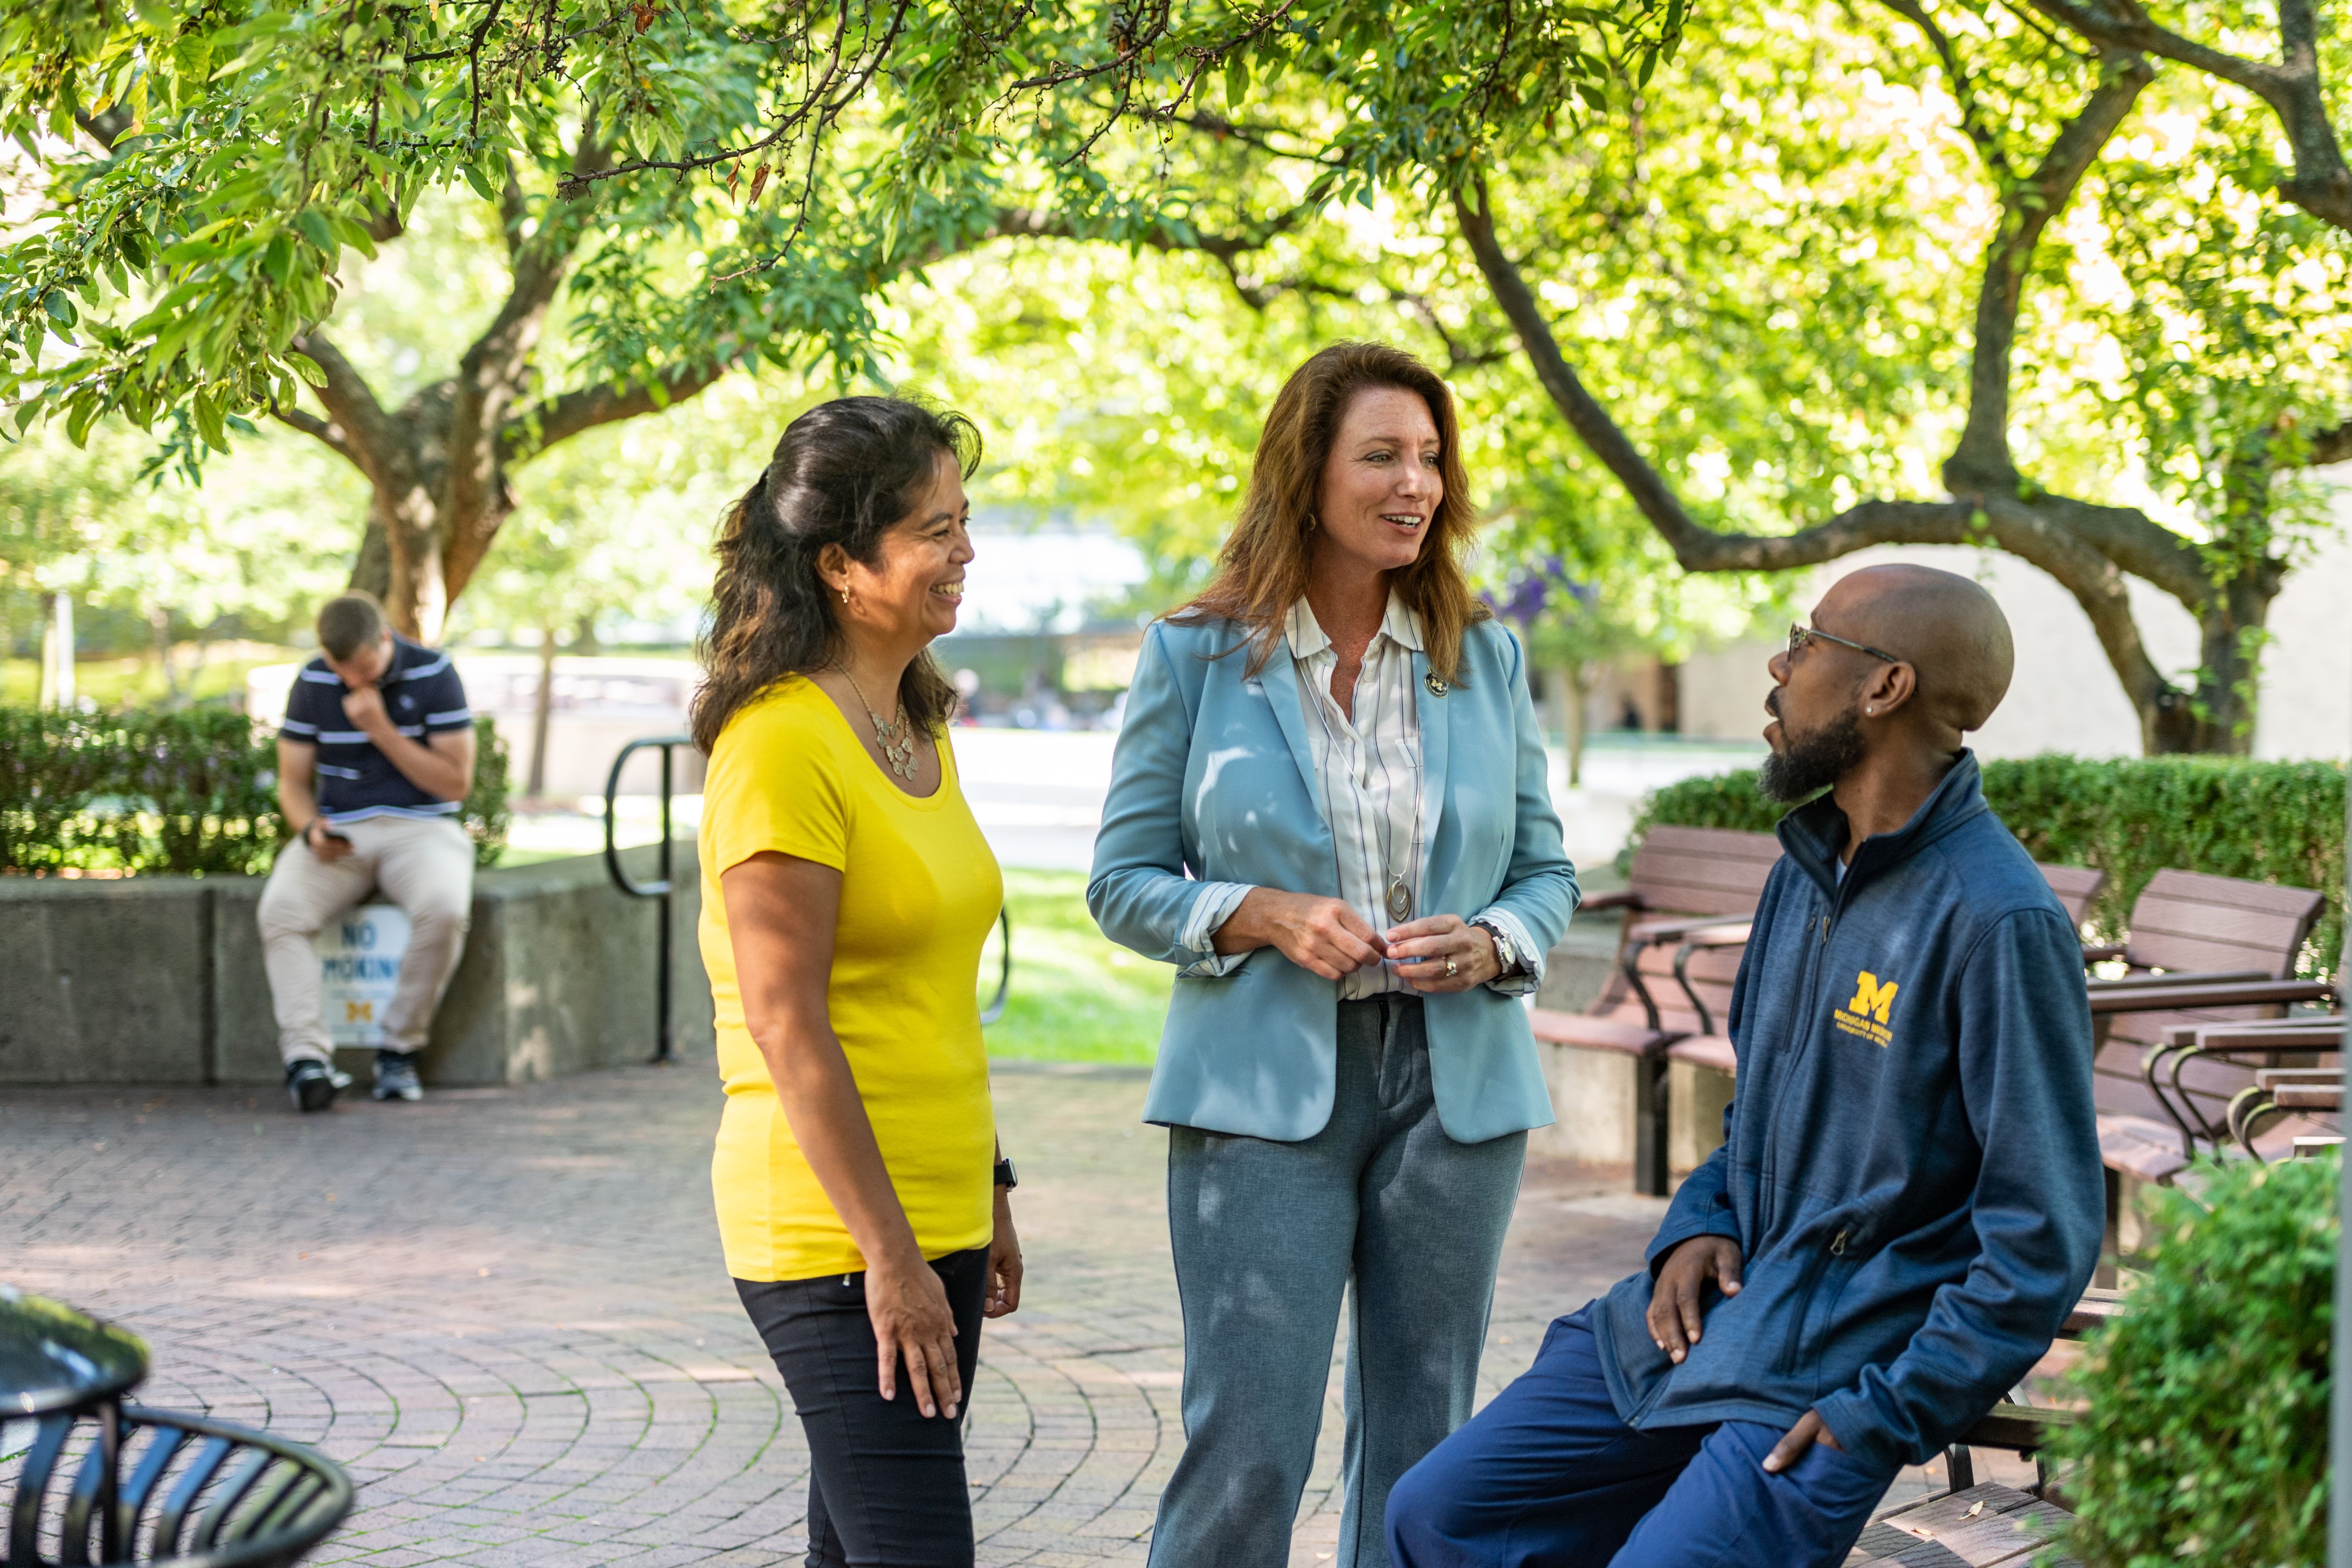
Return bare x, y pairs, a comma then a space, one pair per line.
862, 1197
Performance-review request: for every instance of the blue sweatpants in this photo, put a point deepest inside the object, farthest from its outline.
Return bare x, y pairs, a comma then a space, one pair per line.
1548, 1476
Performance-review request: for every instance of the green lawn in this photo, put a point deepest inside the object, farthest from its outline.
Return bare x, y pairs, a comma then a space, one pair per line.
1075, 996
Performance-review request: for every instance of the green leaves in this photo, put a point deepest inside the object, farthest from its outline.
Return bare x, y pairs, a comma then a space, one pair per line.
185, 793
2205, 1439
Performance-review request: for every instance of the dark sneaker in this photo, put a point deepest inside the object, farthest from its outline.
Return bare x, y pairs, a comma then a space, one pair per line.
311, 1084
396, 1076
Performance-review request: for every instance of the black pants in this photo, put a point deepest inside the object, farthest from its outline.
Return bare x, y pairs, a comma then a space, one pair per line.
887, 1484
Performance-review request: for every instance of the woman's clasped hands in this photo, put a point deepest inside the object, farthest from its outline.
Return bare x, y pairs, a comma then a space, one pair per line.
1326, 936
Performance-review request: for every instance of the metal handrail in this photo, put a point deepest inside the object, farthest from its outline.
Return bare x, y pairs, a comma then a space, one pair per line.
995, 1009
668, 744
662, 889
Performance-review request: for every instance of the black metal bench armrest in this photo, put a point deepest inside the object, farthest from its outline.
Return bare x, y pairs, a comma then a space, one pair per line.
1706, 939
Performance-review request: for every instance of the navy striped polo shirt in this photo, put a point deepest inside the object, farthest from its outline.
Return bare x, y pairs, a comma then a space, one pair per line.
423, 696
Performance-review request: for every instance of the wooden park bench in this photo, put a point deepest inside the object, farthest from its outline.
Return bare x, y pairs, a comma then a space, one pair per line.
2255, 1088
2249, 933
2202, 951
1682, 878
1975, 1522
1990, 1524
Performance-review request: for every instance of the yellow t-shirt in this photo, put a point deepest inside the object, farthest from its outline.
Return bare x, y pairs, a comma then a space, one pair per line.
920, 889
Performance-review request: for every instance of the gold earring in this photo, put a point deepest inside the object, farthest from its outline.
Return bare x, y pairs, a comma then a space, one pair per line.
845, 595
1313, 522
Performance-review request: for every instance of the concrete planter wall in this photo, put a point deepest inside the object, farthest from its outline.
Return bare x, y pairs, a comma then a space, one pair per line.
1592, 1091
159, 979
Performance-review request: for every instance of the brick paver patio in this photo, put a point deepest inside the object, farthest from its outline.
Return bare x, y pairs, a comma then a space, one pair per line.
505, 1311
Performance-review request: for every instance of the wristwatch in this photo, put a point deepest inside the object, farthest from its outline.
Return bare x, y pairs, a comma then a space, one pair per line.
1507, 951
1005, 1176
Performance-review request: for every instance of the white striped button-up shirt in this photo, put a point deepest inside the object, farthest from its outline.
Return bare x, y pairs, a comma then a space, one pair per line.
1368, 777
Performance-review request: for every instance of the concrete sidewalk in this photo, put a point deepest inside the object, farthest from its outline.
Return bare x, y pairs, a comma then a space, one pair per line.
505, 1310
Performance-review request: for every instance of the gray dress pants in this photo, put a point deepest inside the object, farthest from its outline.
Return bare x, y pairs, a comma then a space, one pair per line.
1269, 1237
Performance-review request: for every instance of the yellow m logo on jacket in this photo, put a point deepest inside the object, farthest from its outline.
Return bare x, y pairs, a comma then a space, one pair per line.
1870, 998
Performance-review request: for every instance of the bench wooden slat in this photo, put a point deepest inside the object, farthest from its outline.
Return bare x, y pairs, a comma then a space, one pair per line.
2324, 1033
2075, 886
2148, 1149
1706, 1051
2096, 1308
1592, 1033
2186, 919
2205, 953
2280, 1078
2003, 1538
2025, 1428
2236, 892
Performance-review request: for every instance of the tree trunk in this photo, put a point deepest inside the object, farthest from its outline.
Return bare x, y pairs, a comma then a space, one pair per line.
1570, 688
2217, 717
159, 627
57, 655
543, 709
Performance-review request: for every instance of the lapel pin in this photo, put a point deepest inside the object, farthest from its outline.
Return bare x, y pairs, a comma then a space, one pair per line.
1437, 688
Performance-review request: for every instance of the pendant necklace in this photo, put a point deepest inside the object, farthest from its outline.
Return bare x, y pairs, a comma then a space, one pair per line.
896, 737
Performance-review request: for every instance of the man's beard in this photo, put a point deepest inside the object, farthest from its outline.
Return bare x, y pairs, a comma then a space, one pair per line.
1807, 764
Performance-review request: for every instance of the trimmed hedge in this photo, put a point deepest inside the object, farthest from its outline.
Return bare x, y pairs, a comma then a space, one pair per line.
2131, 818
194, 792
2206, 1438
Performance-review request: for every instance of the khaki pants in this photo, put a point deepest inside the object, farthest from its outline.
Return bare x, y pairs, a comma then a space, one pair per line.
424, 866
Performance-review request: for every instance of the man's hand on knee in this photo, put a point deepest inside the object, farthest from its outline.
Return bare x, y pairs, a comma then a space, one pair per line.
1809, 1430
1683, 1278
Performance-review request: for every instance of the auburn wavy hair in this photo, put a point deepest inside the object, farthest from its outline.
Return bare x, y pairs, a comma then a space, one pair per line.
842, 473
1262, 569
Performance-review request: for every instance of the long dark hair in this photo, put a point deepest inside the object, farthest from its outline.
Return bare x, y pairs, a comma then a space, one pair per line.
1262, 569
842, 473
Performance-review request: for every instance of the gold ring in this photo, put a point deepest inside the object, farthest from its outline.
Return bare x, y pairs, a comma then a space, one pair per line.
1449, 966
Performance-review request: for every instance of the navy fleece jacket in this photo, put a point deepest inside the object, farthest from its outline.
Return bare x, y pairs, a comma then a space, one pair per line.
1911, 1166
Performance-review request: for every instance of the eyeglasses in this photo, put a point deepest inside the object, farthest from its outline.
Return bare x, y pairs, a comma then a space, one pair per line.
1800, 635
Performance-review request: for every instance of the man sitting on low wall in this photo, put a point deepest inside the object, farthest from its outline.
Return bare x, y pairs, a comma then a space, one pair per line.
374, 762
1908, 1200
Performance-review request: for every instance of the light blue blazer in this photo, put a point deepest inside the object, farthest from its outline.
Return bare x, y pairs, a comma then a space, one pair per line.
1213, 782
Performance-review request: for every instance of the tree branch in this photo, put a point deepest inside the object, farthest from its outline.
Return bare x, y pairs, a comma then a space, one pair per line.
559, 418
1980, 460
318, 429
371, 440
1697, 548
1039, 223
2321, 184
2331, 446
1973, 123
107, 127
494, 373
2031, 532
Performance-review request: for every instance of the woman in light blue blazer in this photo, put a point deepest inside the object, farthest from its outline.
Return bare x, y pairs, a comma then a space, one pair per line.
1329, 809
